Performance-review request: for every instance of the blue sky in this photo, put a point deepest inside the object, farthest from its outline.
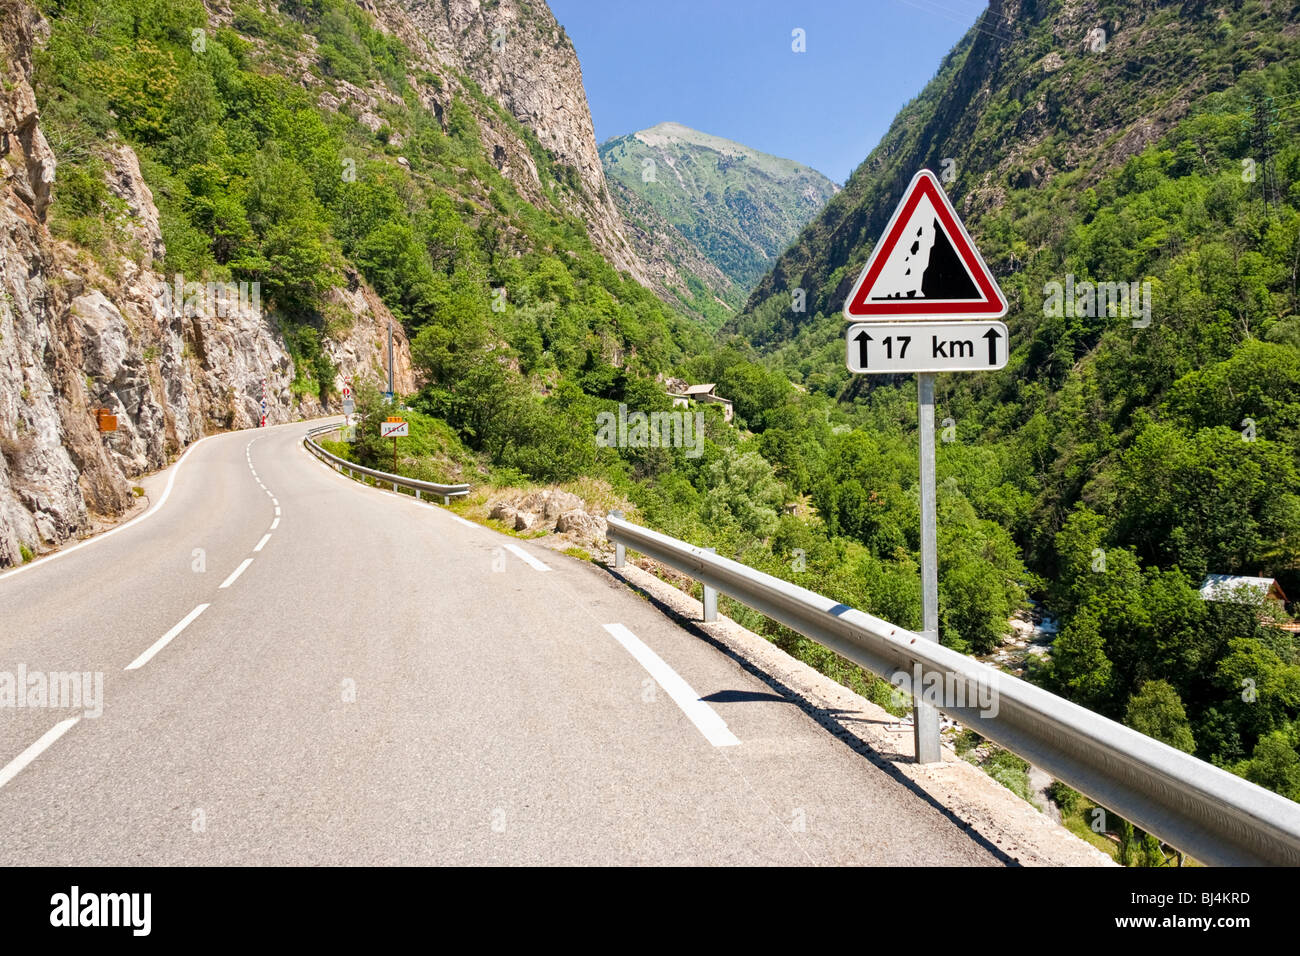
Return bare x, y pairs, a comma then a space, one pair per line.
726, 67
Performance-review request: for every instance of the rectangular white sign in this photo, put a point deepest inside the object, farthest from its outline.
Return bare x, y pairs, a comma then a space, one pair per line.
393, 430
878, 348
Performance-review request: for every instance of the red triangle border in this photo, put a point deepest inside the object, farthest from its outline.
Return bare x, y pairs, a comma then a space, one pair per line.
993, 305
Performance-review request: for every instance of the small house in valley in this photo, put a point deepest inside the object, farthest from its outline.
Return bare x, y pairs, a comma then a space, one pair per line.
706, 394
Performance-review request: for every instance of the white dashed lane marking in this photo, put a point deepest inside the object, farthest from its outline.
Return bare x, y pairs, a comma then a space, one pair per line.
14, 767
701, 714
167, 638
525, 557
234, 575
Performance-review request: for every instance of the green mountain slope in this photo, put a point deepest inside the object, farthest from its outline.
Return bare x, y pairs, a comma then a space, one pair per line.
1128, 458
299, 142
735, 206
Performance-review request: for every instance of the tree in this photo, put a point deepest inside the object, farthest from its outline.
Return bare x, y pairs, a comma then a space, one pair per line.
1080, 668
1276, 766
743, 491
1157, 711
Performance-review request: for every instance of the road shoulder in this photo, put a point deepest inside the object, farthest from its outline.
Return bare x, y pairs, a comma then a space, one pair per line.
966, 794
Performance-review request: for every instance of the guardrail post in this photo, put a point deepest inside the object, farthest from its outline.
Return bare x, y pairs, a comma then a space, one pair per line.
446, 500
620, 552
417, 495
710, 597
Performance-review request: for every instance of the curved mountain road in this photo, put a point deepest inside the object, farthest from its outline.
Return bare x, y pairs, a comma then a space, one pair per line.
379, 681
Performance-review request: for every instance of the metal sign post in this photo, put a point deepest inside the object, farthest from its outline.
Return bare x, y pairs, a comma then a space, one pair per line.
925, 718
393, 428
925, 303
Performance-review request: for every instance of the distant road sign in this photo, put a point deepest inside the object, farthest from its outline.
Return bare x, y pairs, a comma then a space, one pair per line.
349, 406
393, 430
884, 348
925, 265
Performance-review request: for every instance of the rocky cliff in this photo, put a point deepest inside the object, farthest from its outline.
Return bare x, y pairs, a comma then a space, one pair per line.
518, 55
173, 363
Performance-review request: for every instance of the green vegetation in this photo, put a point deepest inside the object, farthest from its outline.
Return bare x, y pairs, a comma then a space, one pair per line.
1125, 460
735, 206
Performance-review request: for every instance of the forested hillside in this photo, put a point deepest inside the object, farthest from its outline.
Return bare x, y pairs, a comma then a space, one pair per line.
291, 180
1128, 453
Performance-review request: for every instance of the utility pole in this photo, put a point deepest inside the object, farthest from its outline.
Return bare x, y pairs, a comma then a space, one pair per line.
1262, 130
390, 371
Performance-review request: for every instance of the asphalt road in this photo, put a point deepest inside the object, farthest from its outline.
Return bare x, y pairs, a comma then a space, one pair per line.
386, 683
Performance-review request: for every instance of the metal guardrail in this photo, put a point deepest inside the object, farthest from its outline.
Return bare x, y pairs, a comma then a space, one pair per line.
447, 492
1209, 813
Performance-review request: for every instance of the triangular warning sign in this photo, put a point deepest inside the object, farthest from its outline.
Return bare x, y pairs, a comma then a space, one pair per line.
925, 265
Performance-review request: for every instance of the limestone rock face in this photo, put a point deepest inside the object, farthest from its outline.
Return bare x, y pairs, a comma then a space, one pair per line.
518, 55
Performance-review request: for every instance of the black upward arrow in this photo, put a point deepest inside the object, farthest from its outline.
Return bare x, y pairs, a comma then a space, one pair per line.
862, 338
993, 335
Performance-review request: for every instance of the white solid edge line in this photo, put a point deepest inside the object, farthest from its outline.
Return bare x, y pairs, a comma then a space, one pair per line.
712, 726
176, 469
153, 509
468, 524
234, 575
14, 767
166, 639
525, 557
275, 524
262, 544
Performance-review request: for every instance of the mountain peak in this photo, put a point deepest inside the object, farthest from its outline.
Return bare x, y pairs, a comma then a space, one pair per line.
736, 207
